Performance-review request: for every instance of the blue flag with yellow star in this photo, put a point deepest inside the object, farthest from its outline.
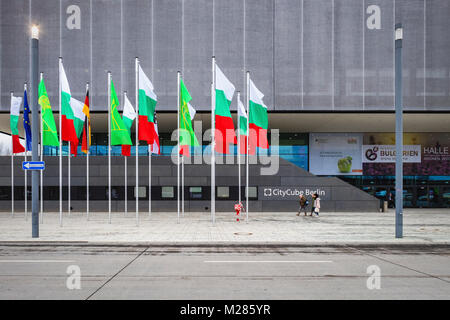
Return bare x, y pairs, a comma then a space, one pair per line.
26, 121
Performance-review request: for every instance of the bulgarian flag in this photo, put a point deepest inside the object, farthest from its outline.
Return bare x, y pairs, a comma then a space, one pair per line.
128, 116
258, 121
86, 140
187, 113
68, 132
14, 119
147, 103
78, 121
50, 135
119, 133
224, 127
242, 130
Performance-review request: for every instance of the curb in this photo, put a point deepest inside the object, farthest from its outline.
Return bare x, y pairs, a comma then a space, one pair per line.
444, 245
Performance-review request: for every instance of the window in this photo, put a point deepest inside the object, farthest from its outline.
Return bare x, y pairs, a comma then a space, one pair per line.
142, 192
195, 193
252, 193
223, 192
167, 192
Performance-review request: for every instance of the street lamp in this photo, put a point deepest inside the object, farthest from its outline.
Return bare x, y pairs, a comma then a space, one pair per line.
35, 32
34, 75
398, 133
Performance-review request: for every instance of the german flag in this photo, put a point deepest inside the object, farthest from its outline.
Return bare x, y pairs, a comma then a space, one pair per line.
86, 139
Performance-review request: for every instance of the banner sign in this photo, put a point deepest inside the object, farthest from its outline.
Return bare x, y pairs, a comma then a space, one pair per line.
386, 153
335, 153
433, 150
292, 193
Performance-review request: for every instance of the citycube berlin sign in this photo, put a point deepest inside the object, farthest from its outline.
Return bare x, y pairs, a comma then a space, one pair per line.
292, 193
386, 153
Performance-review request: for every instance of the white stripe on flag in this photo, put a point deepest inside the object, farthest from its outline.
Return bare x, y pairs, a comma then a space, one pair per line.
15, 105
128, 110
146, 85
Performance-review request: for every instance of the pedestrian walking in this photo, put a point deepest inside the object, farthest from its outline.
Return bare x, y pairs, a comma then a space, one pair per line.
303, 205
316, 204
391, 200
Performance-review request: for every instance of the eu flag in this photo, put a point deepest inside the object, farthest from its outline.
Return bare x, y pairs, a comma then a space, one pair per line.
26, 120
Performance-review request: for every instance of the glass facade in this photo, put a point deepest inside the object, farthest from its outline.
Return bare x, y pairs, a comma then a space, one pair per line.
292, 147
420, 191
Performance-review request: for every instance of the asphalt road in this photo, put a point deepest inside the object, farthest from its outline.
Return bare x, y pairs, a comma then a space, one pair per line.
224, 272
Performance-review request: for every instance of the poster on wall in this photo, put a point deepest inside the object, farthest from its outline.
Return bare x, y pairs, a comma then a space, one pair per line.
376, 153
434, 154
335, 153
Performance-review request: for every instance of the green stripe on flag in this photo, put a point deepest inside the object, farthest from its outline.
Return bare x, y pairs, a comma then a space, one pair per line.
146, 106
243, 126
258, 115
14, 120
222, 104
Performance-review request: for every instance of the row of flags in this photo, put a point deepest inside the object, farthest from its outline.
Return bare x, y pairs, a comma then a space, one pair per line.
76, 124
255, 131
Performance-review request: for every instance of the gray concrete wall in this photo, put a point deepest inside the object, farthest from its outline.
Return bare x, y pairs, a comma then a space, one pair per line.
303, 54
337, 194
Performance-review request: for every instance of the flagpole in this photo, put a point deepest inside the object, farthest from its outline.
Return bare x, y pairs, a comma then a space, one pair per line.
136, 192
109, 146
60, 148
248, 144
88, 137
178, 146
126, 194
126, 174
182, 185
26, 184
68, 177
239, 144
12, 168
12, 181
213, 142
42, 159
25, 171
150, 180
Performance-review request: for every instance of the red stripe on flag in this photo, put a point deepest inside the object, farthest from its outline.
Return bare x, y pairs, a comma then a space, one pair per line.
126, 150
74, 149
224, 134
84, 146
68, 130
17, 146
257, 137
146, 130
185, 151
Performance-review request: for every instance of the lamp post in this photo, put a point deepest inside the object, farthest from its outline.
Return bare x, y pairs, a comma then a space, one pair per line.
398, 133
34, 74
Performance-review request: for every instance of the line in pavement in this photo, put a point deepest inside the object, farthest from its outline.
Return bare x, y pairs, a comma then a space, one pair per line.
116, 274
267, 261
37, 261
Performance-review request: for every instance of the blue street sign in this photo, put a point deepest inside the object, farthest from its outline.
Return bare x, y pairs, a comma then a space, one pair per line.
33, 165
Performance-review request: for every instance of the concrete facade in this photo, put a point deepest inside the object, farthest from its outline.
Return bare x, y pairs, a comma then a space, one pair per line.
303, 54
337, 194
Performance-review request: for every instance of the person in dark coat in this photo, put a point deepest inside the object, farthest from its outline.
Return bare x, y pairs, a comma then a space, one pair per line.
303, 204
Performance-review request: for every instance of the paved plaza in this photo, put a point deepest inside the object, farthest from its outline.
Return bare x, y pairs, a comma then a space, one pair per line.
421, 226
